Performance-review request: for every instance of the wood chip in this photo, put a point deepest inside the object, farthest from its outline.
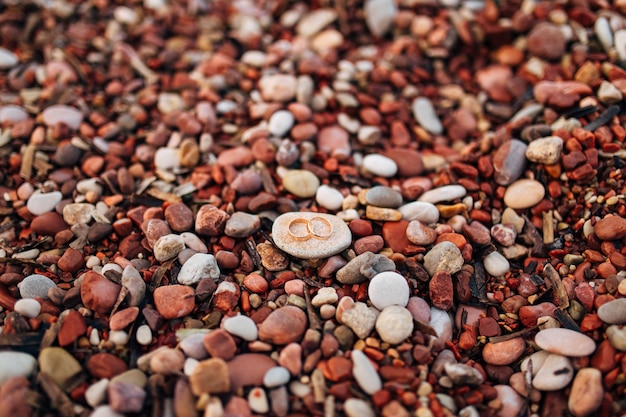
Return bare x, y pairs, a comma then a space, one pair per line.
557, 286
26, 169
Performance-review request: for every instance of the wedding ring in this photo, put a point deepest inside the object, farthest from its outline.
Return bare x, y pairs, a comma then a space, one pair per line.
299, 229
319, 227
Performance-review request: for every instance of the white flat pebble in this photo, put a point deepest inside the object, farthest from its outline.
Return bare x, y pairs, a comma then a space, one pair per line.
512, 402
565, 342
166, 159
241, 326
394, 324
36, 286
200, 265
96, 393
328, 197
613, 312
193, 346
301, 183
426, 213
388, 288
524, 193
555, 373
364, 373
144, 335
355, 407
276, 376
545, 150
280, 123
445, 193
425, 115
587, 392
380, 15
28, 307
16, 364
380, 165
60, 113
496, 264
442, 324
12, 113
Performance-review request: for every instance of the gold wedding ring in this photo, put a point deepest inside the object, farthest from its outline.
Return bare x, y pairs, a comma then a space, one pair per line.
299, 229
316, 227
319, 227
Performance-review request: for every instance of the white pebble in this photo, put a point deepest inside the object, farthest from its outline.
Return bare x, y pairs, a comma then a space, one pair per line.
144, 335
40, 203
380, 165
445, 193
241, 326
7, 59
394, 324
28, 307
364, 373
425, 115
190, 366
355, 407
257, 400
200, 265
96, 393
496, 264
425, 212
280, 123
119, 337
168, 247
326, 295
166, 159
388, 288
276, 376
545, 150
94, 337
328, 197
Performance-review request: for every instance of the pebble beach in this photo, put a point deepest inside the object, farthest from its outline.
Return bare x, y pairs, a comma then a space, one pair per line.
351, 208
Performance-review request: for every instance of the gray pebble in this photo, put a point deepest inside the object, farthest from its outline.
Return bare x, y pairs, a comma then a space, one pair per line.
382, 196
242, 225
365, 266
444, 256
36, 285
360, 319
509, 161
613, 312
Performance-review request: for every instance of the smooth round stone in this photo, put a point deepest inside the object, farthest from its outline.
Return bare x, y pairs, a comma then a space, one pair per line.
524, 193
394, 324
380, 15
96, 393
168, 247
426, 213
565, 342
27, 307
380, 165
420, 234
310, 247
555, 373
166, 159
14, 364
283, 326
328, 197
276, 376
257, 400
193, 346
301, 183
388, 288
613, 312
504, 353
12, 113
545, 150
60, 365
444, 256
36, 286
144, 335
425, 114
7, 59
496, 264
445, 193
364, 373
78, 213
587, 393
200, 265
382, 196
512, 402
60, 113
617, 337
241, 326
280, 123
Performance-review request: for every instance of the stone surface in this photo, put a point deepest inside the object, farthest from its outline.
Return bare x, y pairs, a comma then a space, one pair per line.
27, 307
545, 150
524, 193
276, 376
381, 196
509, 161
249, 369
284, 325
329, 197
301, 183
504, 353
610, 228
555, 373
360, 319
422, 211
441, 194
241, 326
363, 267
565, 342
546, 41
380, 15
242, 225
496, 264
425, 115
441, 290
40, 203
379, 165
512, 402
304, 245
168, 247
388, 288
125, 398
617, 337
197, 267
210, 377
60, 113
613, 312
61, 366
420, 234
394, 324
98, 293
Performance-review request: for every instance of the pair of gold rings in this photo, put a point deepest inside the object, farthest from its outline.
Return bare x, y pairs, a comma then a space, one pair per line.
316, 227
